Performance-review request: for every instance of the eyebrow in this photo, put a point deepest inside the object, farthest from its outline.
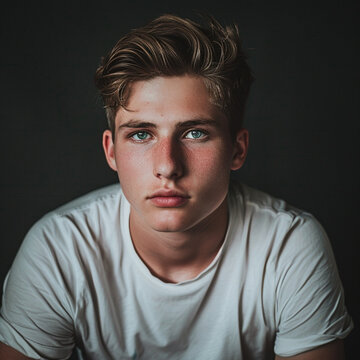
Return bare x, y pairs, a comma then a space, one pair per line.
197, 122
137, 124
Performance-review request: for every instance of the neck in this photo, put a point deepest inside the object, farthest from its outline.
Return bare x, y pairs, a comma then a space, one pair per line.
180, 256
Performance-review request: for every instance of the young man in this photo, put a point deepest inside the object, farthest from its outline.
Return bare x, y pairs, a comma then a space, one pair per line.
178, 263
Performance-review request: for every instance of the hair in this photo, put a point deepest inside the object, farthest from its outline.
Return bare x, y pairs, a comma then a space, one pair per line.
173, 46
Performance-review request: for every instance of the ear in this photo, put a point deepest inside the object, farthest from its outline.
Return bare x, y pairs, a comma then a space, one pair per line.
109, 149
241, 145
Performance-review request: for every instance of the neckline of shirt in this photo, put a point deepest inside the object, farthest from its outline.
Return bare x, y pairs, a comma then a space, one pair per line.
203, 277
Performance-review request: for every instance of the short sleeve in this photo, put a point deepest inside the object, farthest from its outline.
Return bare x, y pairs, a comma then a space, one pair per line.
36, 314
310, 309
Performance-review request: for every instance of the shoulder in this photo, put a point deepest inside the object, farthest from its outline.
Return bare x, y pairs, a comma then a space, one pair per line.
103, 198
79, 230
264, 215
68, 244
255, 201
278, 236
87, 211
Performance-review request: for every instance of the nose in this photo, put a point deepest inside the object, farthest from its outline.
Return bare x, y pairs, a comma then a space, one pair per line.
167, 159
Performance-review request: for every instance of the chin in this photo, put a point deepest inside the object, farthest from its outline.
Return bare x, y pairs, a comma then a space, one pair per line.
170, 223
169, 227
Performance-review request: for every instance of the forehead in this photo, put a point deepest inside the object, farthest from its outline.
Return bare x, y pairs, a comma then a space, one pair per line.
172, 98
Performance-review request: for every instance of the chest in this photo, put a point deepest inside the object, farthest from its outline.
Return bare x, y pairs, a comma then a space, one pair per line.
225, 316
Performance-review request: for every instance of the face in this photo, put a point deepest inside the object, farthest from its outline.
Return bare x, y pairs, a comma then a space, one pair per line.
173, 154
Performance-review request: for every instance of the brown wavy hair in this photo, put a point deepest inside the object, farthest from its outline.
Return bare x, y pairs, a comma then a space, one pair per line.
173, 46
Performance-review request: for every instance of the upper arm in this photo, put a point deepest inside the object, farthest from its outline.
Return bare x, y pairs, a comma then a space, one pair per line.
36, 316
8, 353
331, 351
311, 309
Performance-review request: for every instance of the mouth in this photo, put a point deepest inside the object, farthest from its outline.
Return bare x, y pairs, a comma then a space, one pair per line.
168, 198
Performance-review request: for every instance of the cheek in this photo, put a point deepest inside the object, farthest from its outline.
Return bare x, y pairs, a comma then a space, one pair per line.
210, 176
210, 161
131, 168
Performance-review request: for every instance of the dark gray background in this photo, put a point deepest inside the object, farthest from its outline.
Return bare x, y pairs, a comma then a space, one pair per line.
303, 113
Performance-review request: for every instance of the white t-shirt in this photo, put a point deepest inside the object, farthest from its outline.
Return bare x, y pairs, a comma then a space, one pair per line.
77, 281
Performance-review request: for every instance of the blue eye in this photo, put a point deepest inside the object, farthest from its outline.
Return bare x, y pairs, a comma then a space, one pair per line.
140, 135
195, 134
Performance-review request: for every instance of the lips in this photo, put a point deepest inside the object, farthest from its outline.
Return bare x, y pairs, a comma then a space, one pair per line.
168, 198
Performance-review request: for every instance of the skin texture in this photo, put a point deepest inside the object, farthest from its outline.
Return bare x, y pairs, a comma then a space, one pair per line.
171, 138
8, 353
